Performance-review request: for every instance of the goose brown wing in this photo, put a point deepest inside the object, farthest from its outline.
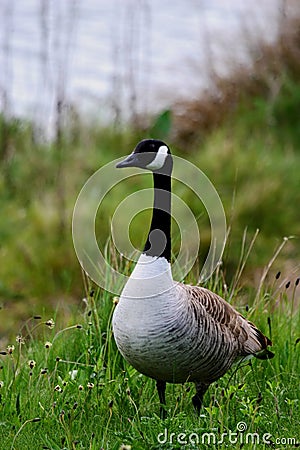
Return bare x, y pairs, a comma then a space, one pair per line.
227, 322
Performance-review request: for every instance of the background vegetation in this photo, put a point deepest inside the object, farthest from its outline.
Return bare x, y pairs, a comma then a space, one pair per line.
66, 386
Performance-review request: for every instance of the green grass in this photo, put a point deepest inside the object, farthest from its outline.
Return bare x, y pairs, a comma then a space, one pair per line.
70, 388
253, 159
257, 180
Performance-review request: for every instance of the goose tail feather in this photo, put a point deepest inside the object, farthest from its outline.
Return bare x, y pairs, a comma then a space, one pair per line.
265, 354
257, 344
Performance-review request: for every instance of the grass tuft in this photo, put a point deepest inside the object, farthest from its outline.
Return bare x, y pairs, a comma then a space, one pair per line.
70, 388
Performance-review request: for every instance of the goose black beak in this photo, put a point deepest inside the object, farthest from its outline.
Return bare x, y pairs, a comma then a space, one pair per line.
131, 161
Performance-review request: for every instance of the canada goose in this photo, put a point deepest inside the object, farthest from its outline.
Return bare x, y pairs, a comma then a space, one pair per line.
169, 331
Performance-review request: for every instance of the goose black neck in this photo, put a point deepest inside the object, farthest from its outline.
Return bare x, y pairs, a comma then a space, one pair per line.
159, 237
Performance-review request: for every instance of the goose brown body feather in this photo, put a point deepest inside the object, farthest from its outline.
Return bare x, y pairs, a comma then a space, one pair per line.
187, 333
231, 336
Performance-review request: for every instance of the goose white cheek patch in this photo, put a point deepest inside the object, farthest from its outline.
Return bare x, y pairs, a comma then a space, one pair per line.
159, 159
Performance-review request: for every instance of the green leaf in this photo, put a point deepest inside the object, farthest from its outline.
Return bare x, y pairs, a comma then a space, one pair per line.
162, 125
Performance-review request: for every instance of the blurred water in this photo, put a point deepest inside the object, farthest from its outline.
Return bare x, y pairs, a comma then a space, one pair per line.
120, 57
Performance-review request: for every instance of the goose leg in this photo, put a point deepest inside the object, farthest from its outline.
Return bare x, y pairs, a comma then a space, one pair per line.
161, 389
197, 400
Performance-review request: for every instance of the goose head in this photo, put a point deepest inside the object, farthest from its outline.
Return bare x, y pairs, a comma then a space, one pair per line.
150, 154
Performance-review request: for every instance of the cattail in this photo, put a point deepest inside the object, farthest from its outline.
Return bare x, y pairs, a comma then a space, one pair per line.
269, 325
277, 275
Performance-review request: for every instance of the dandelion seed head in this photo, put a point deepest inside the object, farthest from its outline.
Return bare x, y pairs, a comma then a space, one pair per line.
20, 339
